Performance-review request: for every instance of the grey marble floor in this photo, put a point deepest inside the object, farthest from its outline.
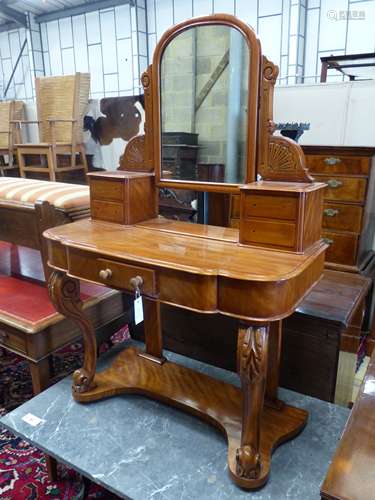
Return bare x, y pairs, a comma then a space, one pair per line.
141, 449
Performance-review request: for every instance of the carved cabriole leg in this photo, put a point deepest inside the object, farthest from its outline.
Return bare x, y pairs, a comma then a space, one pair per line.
64, 293
252, 368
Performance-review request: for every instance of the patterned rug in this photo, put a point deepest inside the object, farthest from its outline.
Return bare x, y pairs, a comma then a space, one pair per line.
23, 474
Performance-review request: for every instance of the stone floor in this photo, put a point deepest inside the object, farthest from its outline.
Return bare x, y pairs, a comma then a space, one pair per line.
142, 449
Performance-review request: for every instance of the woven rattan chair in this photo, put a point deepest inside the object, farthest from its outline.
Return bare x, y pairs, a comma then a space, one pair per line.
9, 111
61, 104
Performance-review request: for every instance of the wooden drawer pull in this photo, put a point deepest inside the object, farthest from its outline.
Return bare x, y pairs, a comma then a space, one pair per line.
332, 160
136, 283
328, 241
334, 183
3, 336
105, 274
330, 212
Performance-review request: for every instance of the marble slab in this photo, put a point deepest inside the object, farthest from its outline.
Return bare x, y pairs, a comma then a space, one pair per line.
142, 449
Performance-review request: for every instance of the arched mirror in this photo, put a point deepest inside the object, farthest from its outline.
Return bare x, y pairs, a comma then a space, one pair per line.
208, 89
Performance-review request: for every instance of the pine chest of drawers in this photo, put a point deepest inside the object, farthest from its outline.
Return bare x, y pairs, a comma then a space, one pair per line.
349, 203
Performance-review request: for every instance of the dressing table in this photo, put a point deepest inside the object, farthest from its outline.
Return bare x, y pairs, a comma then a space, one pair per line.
208, 77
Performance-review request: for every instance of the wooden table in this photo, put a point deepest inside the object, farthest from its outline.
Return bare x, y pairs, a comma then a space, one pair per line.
201, 268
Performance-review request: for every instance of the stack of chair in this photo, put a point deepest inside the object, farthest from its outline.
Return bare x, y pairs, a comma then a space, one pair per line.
9, 111
61, 105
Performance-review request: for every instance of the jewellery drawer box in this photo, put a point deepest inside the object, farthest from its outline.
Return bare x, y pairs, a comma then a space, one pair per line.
123, 197
280, 215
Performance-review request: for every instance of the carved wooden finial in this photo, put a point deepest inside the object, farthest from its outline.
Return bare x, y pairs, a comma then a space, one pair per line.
270, 70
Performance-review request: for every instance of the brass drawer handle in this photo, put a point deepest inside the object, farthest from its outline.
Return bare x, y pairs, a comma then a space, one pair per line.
105, 274
136, 283
330, 212
3, 336
334, 183
328, 241
332, 160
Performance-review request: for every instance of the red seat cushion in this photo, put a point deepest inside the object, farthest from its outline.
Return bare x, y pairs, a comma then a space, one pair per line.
28, 302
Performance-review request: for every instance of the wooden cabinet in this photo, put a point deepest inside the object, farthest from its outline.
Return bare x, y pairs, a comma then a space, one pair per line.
349, 204
348, 215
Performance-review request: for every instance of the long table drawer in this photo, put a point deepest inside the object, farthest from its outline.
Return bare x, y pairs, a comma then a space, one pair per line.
111, 273
343, 188
342, 217
338, 164
342, 247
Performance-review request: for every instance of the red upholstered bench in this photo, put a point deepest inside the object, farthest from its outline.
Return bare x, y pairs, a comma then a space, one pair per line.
29, 324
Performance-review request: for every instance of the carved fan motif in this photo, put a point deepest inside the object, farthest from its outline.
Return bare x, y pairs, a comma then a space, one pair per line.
280, 159
286, 162
134, 156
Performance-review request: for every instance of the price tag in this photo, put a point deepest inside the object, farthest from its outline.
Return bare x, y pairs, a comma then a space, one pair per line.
138, 310
33, 420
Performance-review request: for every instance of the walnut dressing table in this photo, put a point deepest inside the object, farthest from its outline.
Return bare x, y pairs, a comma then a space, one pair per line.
258, 273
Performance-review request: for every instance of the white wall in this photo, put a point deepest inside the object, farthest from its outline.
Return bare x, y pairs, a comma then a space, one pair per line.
115, 44
340, 114
110, 44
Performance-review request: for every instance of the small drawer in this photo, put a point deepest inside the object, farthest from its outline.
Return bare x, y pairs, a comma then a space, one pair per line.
111, 273
342, 217
271, 207
13, 340
235, 207
106, 190
268, 232
107, 211
342, 247
338, 164
343, 188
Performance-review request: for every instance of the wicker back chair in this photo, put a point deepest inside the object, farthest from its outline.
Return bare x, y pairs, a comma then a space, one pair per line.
9, 111
61, 104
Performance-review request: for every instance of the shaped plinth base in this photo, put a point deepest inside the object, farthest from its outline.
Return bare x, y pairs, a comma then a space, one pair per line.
216, 402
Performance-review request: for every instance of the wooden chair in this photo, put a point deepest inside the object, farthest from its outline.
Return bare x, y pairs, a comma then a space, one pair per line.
61, 104
9, 111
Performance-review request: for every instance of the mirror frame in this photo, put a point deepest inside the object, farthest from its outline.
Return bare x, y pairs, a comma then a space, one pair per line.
151, 84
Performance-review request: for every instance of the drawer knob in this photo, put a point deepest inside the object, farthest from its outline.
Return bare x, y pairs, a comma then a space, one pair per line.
136, 283
328, 241
3, 336
105, 274
332, 160
330, 212
334, 183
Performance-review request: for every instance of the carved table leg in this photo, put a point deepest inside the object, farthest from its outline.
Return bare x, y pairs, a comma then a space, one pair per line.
64, 293
252, 368
274, 353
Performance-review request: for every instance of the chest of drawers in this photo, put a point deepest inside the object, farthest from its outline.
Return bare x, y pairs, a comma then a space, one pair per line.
349, 203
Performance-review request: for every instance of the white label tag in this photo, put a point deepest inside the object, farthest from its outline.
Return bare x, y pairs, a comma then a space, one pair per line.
31, 419
138, 310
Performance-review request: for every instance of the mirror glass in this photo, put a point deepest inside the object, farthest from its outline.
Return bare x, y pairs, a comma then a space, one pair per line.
204, 94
